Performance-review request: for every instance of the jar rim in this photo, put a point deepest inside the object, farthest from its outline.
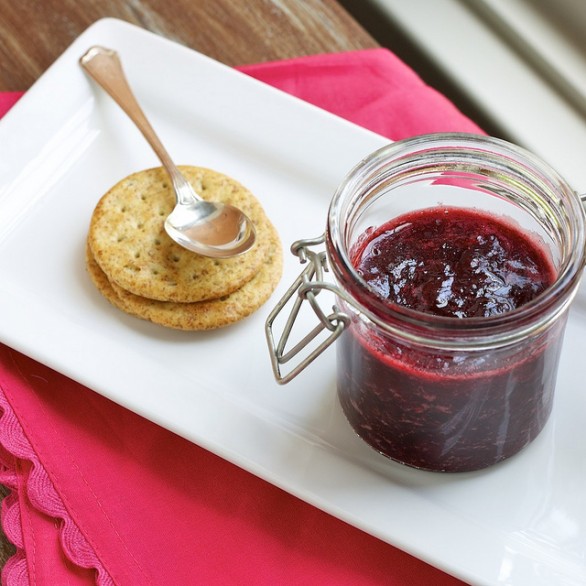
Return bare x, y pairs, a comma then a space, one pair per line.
532, 314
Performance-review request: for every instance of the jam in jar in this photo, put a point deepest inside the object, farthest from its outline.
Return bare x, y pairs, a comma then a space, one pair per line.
437, 410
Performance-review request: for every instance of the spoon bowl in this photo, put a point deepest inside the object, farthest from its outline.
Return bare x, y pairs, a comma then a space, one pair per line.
217, 227
208, 228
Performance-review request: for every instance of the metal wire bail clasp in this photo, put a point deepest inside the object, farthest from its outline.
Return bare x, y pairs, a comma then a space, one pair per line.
307, 286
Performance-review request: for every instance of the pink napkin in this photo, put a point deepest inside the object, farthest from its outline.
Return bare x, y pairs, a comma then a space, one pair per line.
100, 495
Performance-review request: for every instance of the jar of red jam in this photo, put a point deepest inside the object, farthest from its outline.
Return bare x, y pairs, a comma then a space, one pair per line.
454, 260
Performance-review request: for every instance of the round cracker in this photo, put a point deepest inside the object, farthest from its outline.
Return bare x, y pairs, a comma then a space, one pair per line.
202, 315
100, 280
129, 242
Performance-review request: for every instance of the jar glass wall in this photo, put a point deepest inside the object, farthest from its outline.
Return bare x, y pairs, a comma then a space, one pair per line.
444, 393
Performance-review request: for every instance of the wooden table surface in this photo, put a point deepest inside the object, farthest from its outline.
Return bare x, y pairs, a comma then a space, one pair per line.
33, 33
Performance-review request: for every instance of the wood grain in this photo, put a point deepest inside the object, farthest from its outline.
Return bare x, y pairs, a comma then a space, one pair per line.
33, 33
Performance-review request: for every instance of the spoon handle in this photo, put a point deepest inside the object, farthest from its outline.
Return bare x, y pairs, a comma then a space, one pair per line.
104, 66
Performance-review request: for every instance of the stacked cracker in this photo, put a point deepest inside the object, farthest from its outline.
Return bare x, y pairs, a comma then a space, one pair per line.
139, 269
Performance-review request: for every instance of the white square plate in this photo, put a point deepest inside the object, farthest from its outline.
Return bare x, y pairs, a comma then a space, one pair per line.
521, 523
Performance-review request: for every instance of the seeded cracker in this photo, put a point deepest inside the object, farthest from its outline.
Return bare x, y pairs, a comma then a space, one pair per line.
130, 245
99, 279
202, 315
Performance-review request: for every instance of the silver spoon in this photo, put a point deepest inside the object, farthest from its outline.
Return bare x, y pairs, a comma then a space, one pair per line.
208, 228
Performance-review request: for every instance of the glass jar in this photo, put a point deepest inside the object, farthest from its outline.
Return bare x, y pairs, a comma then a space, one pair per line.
433, 392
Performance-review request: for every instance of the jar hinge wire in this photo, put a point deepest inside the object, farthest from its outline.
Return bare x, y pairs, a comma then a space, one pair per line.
307, 286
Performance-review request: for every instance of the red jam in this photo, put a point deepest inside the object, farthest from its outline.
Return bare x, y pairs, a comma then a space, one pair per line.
454, 263
448, 410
